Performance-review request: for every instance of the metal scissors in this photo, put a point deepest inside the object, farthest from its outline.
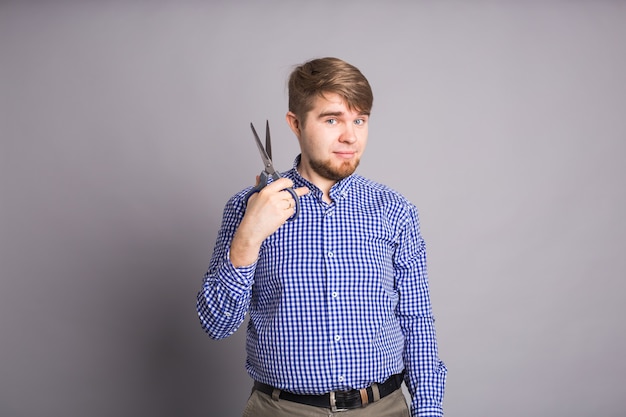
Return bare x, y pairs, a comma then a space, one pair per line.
269, 172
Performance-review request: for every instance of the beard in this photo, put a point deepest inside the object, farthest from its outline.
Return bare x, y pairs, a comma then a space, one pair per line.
334, 172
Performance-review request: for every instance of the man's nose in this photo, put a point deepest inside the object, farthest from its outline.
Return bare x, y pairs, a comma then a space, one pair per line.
349, 134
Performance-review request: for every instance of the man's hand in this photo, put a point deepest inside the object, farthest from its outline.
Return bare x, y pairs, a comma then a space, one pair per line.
267, 210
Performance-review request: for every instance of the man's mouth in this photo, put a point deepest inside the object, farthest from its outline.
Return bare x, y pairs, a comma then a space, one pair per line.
345, 154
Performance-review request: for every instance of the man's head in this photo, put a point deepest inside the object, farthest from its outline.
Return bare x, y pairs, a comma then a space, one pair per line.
328, 75
329, 106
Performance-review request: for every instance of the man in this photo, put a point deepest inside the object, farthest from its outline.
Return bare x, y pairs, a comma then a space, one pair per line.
338, 298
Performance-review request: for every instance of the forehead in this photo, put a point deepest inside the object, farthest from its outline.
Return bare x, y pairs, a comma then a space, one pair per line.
331, 102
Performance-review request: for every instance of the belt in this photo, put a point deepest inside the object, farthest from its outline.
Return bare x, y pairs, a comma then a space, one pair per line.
338, 400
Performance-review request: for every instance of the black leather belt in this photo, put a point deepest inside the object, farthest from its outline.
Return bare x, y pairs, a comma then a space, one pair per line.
338, 400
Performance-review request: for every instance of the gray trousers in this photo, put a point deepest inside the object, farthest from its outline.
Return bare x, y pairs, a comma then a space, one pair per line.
262, 405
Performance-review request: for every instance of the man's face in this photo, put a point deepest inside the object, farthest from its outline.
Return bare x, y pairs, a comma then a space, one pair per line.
332, 139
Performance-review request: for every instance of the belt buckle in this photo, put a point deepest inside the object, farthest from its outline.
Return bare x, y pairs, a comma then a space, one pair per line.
333, 403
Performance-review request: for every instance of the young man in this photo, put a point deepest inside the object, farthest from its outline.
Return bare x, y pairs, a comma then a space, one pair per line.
338, 298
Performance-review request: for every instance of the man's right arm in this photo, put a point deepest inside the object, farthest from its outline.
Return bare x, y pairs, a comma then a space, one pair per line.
223, 301
226, 291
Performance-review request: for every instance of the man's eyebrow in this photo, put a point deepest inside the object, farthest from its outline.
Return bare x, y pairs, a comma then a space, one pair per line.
330, 113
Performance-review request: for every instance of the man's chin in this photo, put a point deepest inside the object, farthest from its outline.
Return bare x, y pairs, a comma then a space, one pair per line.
346, 171
336, 172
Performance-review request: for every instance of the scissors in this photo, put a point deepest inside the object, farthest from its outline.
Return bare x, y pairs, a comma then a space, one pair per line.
269, 172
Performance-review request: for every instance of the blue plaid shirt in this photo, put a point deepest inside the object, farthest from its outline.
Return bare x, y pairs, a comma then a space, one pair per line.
338, 299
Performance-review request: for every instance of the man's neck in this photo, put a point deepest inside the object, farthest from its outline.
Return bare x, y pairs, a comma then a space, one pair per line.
324, 184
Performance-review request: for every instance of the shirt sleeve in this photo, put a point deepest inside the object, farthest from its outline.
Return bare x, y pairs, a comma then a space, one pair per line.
425, 372
225, 295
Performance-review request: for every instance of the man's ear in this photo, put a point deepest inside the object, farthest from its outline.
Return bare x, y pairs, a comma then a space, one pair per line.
294, 123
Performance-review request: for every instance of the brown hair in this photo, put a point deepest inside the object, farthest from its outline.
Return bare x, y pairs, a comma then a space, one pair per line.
328, 75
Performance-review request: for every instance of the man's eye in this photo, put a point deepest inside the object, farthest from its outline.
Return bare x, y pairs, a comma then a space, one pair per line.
359, 122
331, 121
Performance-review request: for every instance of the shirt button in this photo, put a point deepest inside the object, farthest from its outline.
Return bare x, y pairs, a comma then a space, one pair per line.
330, 254
337, 338
335, 294
341, 378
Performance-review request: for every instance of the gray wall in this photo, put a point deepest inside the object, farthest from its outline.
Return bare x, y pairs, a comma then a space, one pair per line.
124, 129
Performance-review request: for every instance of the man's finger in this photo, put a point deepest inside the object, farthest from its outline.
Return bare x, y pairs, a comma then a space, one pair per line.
280, 184
301, 191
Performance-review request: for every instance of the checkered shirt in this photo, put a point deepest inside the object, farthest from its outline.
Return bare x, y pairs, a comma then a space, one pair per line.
338, 298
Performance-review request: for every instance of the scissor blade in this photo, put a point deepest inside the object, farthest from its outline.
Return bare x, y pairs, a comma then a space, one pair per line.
267, 161
268, 141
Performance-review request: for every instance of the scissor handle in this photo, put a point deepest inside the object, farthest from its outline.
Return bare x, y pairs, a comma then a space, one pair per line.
263, 181
297, 200
261, 184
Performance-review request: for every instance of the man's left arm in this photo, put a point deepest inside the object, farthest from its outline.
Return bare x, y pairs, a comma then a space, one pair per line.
425, 372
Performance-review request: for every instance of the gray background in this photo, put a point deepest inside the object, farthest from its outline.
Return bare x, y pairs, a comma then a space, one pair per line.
125, 128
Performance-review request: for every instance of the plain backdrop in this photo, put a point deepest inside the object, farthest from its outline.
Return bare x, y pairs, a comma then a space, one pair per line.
124, 128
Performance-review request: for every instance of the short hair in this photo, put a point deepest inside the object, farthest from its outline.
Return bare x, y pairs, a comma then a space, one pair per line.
328, 75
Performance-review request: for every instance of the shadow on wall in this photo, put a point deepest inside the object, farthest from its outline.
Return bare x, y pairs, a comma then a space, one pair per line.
111, 329
166, 365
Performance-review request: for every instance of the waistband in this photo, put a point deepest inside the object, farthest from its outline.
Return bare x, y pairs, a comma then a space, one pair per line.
338, 400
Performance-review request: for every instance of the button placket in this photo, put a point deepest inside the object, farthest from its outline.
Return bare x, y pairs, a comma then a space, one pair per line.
330, 231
